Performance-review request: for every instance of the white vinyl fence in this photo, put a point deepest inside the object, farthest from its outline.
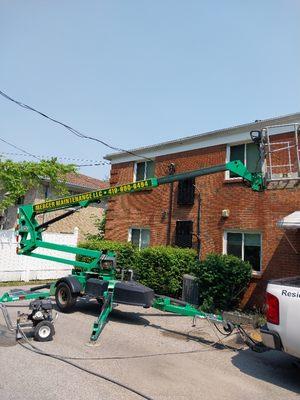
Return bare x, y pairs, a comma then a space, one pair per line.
14, 267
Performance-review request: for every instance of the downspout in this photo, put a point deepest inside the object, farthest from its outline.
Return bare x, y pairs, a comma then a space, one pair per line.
171, 171
198, 234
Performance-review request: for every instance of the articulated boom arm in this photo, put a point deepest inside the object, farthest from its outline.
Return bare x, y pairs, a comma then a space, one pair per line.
31, 231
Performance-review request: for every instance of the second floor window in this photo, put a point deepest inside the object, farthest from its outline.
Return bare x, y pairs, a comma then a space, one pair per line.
248, 153
143, 170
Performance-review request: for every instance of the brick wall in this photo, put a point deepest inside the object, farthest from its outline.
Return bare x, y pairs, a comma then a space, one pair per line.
249, 211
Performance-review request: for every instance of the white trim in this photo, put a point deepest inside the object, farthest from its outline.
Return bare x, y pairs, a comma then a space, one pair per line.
134, 171
230, 135
243, 232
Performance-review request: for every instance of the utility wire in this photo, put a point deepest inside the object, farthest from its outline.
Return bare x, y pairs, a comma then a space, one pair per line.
89, 371
69, 128
97, 162
19, 148
94, 163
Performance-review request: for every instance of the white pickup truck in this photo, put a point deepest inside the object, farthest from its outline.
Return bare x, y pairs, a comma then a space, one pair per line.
283, 316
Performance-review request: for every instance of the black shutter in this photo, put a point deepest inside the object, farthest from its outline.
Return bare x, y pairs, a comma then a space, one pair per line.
184, 233
186, 192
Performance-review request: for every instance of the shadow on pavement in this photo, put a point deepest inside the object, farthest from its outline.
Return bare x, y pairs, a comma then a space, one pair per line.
125, 317
274, 367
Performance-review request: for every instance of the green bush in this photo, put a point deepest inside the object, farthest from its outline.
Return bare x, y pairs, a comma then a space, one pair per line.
222, 280
162, 268
125, 251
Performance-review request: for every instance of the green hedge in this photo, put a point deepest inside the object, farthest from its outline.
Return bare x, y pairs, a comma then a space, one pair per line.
125, 252
160, 268
222, 281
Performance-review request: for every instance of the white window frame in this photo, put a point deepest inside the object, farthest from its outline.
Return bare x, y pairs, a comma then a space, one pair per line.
227, 173
140, 229
257, 273
135, 169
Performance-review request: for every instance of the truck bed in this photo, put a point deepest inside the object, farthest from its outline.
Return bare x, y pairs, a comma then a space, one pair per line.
283, 317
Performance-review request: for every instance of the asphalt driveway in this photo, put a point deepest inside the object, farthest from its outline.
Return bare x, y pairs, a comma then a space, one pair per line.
158, 354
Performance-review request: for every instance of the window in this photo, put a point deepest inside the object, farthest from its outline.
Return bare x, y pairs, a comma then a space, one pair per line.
248, 153
184, 233
246, 246
186, 192
143, 170
139, 237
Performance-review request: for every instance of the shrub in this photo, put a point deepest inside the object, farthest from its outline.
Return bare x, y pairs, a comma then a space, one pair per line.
222, 280
162, 268
125, 251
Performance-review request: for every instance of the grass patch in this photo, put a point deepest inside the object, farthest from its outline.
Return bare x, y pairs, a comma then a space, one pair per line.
22, 283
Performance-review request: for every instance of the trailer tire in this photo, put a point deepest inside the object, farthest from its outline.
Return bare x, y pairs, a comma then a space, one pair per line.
44, 331
65, 299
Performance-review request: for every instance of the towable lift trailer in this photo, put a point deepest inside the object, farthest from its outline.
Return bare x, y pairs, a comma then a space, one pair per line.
96, 278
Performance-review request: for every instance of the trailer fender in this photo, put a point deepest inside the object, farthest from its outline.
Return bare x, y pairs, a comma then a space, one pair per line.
72, 282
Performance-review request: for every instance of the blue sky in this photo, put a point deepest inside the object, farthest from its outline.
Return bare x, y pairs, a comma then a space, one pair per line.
137, 72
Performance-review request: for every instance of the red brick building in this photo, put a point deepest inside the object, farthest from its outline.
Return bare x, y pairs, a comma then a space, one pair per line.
217, 213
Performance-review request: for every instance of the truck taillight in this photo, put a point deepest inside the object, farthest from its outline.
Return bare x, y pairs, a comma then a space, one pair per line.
272, 309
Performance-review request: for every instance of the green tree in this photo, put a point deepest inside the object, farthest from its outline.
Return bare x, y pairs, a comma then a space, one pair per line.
16, 178
99, 223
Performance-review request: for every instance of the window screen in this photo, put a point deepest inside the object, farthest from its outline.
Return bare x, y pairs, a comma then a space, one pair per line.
252, 157
237, 153
149, 170
140, 171
144, 170
234, 244
140, 237
252, 250
246, 246
135, 237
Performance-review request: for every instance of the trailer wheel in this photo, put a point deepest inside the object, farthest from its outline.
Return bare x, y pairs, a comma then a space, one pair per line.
65, 299
44, 331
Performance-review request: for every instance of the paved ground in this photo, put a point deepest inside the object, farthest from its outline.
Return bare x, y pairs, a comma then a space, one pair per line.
195, 369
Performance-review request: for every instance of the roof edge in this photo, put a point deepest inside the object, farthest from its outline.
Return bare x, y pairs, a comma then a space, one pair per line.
256, 124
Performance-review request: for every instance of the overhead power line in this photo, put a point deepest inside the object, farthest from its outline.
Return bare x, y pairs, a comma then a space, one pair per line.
70, 129
44, 157
19, 148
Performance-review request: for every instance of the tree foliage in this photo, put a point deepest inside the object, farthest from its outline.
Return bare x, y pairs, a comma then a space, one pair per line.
16, 178
100, 224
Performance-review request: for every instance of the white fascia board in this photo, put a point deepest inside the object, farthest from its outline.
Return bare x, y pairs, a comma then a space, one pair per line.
233, 136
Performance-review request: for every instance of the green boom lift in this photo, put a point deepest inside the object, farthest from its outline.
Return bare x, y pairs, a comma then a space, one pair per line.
96, 278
